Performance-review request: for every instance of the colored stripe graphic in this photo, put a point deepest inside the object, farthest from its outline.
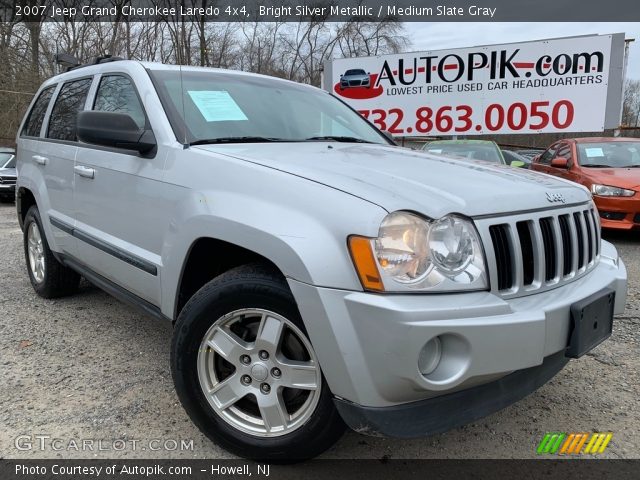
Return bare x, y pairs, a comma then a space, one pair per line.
598, 442
550, 442
573, 443
581, 442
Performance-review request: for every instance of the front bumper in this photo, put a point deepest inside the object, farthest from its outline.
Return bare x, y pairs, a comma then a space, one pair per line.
440, 414
621, 213
369, 344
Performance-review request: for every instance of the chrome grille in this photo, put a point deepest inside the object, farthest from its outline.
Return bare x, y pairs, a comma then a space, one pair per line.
539, 251
8, 180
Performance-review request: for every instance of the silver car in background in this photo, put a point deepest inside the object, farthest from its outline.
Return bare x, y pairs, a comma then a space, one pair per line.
7, 174
355, 77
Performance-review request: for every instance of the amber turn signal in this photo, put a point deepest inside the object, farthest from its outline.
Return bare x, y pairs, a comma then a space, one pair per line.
365, 263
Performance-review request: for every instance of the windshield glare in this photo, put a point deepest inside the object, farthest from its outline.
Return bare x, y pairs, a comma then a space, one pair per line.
221, 105
488, 153
609, 154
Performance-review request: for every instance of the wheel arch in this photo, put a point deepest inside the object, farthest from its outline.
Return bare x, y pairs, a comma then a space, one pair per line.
25, 199
199, 267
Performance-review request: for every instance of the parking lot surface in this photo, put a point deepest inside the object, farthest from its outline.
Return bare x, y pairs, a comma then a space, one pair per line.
89, 377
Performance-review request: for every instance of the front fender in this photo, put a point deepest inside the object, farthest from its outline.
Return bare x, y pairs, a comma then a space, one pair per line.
305, 238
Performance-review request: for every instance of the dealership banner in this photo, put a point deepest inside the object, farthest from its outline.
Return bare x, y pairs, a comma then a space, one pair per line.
558, 85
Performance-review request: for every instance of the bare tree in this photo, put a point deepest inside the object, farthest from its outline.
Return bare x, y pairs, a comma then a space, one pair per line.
631, 104
360, 38
291, 50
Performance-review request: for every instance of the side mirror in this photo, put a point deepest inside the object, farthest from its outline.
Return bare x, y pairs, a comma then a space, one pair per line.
560, 162
517, 163
340, 75
117, 130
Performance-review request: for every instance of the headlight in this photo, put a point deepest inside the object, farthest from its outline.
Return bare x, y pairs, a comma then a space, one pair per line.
609, 191
401, 247
415, 254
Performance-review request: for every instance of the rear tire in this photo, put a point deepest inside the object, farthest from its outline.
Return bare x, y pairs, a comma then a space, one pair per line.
49, 278
222, 344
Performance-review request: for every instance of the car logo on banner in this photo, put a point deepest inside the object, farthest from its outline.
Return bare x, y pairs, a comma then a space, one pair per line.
358, 92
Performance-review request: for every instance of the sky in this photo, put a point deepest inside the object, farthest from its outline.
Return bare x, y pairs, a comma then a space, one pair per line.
437, 36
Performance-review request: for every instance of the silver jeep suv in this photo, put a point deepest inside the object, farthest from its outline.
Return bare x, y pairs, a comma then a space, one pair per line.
317, 275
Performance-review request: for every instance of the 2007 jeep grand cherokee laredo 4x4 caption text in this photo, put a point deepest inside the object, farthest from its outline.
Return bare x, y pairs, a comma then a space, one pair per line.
317, 274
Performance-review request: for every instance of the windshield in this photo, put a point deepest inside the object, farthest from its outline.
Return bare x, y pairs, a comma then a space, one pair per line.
7, 160
237, 107
609, 154
355, 72
471, 151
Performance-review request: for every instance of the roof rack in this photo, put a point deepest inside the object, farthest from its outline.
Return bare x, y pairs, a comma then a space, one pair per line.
66, 60
95, 61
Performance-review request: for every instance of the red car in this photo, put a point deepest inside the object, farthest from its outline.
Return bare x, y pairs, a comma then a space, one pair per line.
608, 167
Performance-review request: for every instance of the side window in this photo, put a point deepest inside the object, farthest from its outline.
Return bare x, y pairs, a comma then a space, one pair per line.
546, 157
117, 94
36, 116
71, 99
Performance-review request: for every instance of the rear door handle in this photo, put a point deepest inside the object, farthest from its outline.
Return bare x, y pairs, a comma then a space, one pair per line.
40, 160
85, 172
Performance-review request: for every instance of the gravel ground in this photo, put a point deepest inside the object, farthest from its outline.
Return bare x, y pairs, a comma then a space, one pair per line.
91, 368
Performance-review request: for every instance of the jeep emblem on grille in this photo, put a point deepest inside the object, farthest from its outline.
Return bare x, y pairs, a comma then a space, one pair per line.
555, 197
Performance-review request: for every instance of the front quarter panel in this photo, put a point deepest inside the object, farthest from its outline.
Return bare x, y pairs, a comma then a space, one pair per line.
299, 225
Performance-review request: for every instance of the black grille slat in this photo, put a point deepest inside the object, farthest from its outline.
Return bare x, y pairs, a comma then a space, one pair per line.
590, 241
526, 247
546, 228
567, 249
576, 217
596, 222
540, 252
500, 240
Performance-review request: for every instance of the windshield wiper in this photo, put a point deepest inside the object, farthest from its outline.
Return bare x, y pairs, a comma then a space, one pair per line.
631, 166
337, 138
247, 139
597, 165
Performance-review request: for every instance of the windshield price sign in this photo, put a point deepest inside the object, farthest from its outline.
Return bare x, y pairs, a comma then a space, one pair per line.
560, 85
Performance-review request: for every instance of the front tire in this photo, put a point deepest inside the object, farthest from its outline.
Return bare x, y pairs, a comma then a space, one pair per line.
49, 278
246, 372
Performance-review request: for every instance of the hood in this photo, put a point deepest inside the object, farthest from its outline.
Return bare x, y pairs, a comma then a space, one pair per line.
8, 172
615, 177
400, 179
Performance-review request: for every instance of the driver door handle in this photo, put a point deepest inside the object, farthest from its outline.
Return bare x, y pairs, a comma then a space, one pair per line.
40, 160
85, 172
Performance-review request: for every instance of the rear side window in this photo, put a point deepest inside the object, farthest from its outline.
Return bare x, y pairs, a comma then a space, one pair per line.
36, 116
71, 99
117, 94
